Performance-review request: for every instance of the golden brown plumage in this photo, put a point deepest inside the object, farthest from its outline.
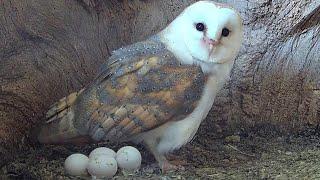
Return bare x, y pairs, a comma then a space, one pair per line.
134, 95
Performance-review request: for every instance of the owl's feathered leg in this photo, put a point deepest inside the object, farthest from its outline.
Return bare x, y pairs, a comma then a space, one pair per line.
164, 164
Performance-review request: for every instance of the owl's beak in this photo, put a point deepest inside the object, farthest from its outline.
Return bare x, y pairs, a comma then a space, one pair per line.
211, 43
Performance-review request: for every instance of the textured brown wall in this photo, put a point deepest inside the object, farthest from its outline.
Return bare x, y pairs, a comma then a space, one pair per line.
275, 84
49, 49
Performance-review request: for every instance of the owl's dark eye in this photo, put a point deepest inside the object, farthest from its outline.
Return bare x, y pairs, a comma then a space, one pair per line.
200, 26
225, 32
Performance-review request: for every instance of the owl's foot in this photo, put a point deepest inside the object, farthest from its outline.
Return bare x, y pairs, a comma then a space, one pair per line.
164, 164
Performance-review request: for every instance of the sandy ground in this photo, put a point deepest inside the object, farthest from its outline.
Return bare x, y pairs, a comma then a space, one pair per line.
245, 156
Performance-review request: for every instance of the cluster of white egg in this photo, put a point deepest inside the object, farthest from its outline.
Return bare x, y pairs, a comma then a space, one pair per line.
103, 162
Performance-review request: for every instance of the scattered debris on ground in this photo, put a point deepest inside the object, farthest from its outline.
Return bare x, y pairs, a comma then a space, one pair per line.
232, 157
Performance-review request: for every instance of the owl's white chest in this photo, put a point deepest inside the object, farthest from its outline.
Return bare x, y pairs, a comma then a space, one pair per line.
173, 135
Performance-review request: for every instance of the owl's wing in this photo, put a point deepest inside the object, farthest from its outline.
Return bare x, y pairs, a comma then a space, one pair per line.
141, 93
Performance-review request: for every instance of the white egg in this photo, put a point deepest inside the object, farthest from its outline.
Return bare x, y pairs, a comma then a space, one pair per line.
128, 158
76, 164
102, 150
102, 166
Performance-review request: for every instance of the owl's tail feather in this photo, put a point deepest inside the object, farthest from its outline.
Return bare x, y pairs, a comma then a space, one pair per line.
62, 105
59, 127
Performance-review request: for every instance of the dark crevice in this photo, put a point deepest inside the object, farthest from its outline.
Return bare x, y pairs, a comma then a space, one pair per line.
311, 20
85, 5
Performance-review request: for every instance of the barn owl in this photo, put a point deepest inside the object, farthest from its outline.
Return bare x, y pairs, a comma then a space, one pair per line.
157, 91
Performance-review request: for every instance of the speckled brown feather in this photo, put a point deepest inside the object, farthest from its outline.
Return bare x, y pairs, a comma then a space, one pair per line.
142, 87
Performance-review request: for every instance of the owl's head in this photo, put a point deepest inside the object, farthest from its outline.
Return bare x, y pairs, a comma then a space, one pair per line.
208, 32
